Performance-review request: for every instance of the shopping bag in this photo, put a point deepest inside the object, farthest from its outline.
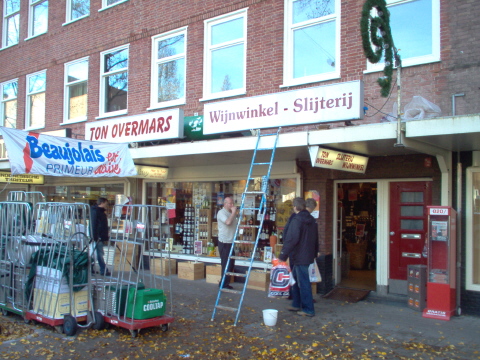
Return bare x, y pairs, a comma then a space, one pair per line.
279, 280
314, 273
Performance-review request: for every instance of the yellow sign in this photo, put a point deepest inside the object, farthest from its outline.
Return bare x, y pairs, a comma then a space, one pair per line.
337, 160
21, 179
151, 172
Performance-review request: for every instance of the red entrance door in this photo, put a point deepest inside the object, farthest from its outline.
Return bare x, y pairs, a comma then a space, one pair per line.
408, 225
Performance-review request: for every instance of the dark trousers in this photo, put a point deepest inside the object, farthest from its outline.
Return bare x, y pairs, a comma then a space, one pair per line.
224, 249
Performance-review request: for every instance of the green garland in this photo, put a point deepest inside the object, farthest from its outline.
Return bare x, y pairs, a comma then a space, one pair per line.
370, 28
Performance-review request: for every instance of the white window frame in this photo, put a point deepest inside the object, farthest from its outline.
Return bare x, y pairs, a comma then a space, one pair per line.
31, 12
103, 75
69, 12
207, 74
106, 6
2, 102
28, 126
288, 60
154, 104
66, 92
419, 60
6, 17
469, 284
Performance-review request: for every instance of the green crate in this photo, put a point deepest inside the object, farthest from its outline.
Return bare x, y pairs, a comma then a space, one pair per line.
118, 297
149, 303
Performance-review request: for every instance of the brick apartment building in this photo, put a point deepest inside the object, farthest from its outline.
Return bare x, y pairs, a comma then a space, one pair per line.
90, 69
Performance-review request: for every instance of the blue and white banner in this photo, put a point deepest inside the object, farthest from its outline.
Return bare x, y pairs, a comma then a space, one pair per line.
33, 153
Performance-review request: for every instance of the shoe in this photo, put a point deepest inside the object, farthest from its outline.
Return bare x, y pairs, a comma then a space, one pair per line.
228, 287
292, 308
303, 313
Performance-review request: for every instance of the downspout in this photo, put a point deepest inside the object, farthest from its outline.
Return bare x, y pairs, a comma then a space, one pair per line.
459, 234
398, 64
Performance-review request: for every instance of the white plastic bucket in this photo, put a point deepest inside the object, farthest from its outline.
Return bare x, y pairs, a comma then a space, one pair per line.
270, 317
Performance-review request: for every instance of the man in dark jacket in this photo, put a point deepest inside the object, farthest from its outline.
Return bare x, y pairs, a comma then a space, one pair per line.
301, 245
100, 231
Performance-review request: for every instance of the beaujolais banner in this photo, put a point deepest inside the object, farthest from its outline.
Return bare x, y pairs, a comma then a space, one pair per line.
33, 153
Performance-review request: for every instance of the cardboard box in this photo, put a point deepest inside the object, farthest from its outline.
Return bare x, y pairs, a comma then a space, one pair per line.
214, 274
56, 306
124, 256
259, 280
50, 279
163, 267
190, 270
314, 289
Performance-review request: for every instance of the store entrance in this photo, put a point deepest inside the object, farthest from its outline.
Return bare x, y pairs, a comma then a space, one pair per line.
356, 235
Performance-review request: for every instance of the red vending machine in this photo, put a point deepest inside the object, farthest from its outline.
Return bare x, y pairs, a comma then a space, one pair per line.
441, 242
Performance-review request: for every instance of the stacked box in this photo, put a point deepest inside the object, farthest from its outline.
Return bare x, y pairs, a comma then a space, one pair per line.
163, 267
259, 280
417, 287
214, 274
190, 270
57, 305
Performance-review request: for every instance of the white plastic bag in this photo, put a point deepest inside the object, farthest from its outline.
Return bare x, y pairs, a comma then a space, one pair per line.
314, 273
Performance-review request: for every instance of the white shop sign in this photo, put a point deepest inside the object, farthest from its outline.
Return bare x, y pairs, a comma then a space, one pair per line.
151, 172
158, 125
337, 160
336, 102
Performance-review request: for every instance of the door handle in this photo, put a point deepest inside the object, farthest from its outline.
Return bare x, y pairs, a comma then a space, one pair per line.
392, 233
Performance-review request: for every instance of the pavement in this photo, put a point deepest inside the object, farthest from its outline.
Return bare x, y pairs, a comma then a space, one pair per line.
374, 328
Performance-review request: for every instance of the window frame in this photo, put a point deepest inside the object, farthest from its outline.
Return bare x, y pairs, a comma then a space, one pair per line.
66, 92
154, 103
470, 284
28, 110
32, 4
419, 60
2, 103
207, 74
105, 5
102, 112
288, 45
68, 15
5, 23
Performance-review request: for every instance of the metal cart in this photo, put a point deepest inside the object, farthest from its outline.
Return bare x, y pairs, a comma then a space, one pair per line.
59, 282
134, 297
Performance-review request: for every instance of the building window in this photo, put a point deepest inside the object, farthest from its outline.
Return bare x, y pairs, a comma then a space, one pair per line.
109, 3
225, 55
114, 81
38, 17
312, 41
36, 86
8, 110
76, 77
419, 43
168, 69
11, 22
77, 9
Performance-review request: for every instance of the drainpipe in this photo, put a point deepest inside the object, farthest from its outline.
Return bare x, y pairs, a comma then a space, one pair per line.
454, 96
398, 64
459, 234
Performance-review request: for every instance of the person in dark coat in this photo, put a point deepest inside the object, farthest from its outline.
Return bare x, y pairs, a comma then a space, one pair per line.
301, 245
100, 231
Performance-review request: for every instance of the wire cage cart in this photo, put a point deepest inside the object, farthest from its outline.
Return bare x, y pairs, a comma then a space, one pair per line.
59, 285
135, 296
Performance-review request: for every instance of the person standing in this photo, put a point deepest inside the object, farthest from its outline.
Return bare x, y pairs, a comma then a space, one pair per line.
301, 244
100, 231
227, 224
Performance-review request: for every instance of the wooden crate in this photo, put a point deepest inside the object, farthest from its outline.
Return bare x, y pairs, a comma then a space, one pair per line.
259, 280
125, 256
163, 267
190, 270
214, 274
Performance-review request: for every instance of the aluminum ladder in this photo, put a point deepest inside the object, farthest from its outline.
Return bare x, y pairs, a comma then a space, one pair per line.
257, 187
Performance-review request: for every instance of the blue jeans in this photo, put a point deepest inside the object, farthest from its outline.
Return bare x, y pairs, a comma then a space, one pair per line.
302, 290
99, 250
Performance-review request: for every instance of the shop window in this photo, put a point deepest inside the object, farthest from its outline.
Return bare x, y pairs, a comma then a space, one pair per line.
225, 55
77, 9
36, 87
76, 76
168, 69
472, 252
81, 194
8, 110
11, 22
114, 81
312, 41
38, 23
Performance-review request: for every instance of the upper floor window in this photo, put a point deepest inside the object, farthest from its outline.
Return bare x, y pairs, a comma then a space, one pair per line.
419, 42
8, 109
168, 69
312, 41
36, 89
11, 22
108, 3
114, 81
77, 9
225, 55
38, 23
76, 77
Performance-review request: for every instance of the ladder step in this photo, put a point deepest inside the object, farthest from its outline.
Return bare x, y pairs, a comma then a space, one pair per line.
228, 308
253, 192
262, 163
236, 274
231, 291
249, 242
240, 258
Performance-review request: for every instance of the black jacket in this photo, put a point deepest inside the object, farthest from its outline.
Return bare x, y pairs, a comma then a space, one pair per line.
301, 241
99, 223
